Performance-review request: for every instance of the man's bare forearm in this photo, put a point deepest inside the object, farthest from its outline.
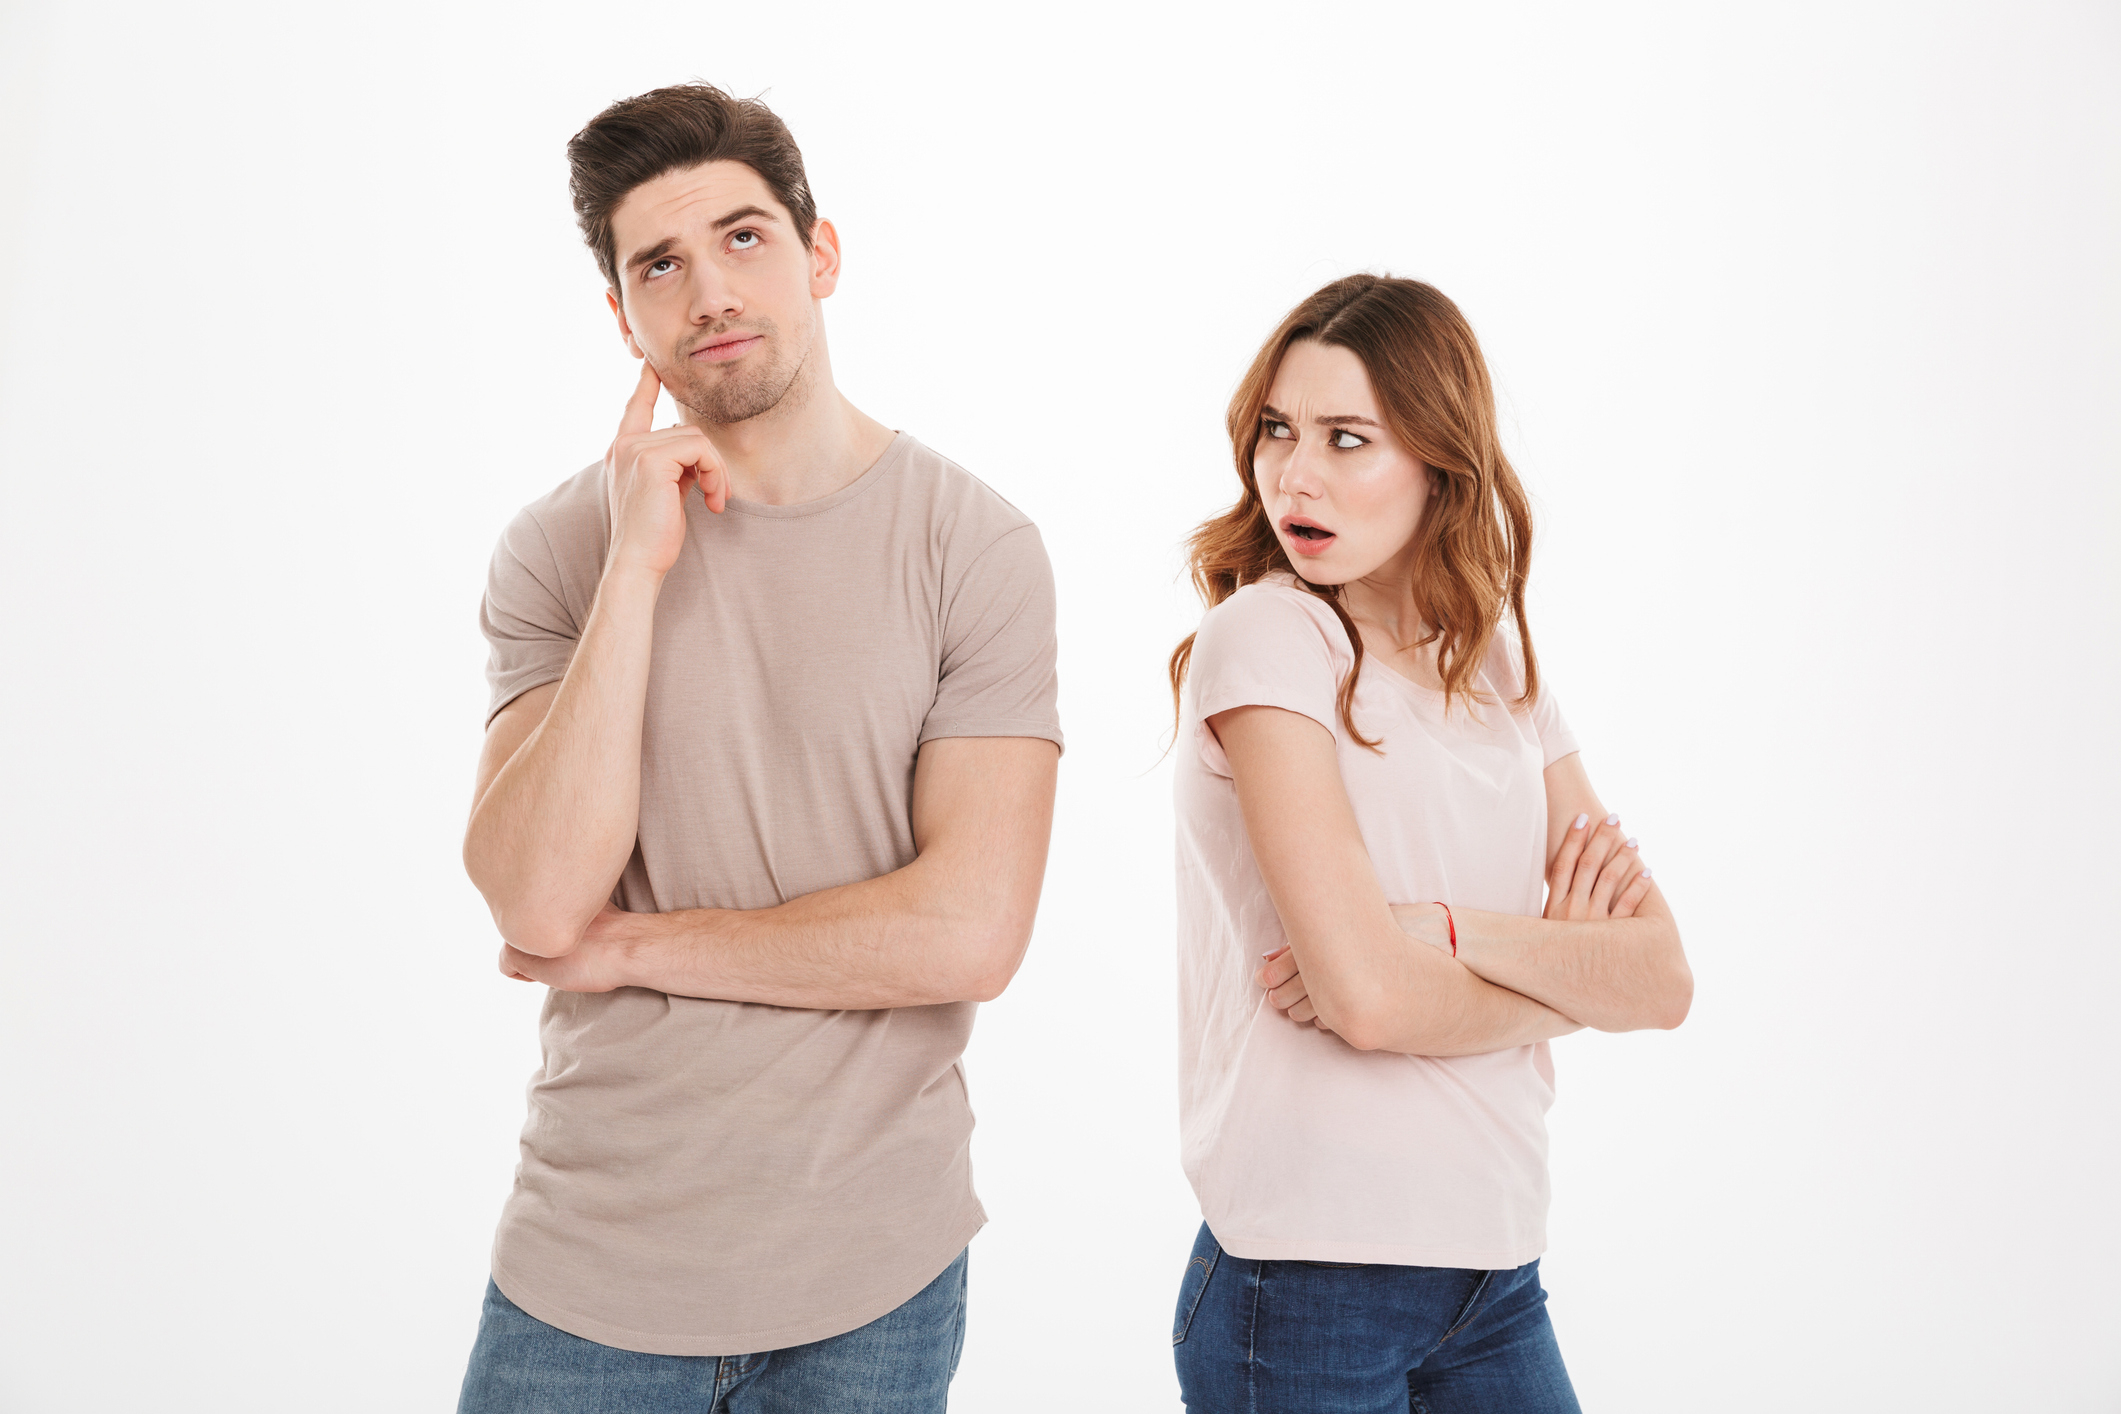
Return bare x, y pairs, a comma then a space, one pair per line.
1617, 974
903, 939
550, 835
950, 926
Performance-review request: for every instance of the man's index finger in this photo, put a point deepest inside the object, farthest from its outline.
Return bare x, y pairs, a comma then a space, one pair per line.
640, 408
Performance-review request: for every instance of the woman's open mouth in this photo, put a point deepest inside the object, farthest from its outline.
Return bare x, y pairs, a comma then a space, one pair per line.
1305, 537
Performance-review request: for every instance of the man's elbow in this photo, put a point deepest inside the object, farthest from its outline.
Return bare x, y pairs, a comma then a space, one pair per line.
991, 960
539, 932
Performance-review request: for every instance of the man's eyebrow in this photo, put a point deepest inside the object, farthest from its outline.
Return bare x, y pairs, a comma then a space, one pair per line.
661, 248
652, 254
1346, 420
742, 213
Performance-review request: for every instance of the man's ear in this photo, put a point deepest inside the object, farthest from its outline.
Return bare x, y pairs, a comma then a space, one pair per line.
824, 259
618, 312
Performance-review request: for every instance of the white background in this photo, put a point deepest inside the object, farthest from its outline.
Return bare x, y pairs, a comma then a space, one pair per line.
1804, 319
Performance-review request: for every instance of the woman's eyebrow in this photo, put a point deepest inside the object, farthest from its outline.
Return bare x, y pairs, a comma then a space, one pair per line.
1345, 420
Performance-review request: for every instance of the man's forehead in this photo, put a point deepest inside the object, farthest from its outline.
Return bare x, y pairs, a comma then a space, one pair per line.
682, 202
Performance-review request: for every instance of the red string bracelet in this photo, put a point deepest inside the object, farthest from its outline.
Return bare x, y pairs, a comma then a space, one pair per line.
1454, 925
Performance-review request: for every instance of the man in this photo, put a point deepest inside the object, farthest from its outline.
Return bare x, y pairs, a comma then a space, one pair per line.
764, 799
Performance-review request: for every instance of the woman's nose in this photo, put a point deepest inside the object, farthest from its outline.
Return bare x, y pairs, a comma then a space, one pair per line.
1299, 476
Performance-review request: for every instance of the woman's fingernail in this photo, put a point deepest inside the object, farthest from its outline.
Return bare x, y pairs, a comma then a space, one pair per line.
1581, 820
1612, 819
1630, 844
1645, 873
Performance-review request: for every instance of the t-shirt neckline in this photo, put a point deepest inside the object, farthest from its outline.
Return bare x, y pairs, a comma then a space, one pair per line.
901, 443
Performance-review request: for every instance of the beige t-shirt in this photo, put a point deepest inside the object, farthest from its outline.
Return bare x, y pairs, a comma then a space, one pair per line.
706, 1177
1299, 1146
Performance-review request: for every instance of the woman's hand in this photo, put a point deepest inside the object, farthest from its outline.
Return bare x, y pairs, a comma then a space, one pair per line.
1285, 987
1597, 873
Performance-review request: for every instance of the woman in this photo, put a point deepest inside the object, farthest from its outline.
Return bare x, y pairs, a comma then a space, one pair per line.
1373, 786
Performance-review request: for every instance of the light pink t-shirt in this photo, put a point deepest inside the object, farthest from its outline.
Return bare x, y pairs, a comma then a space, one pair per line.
1298, 1145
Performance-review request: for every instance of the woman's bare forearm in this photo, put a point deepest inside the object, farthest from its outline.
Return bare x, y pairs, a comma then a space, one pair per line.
550, 835
1616, 974
1426, 1003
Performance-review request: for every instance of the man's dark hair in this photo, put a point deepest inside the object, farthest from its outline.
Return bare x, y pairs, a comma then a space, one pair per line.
636, 140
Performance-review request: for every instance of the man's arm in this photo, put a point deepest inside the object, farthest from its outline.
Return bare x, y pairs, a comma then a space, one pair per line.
557, 805
950, 926
1622, 972
1348, 961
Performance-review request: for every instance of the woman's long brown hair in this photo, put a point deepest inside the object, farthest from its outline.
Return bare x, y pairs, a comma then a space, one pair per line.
1475, 538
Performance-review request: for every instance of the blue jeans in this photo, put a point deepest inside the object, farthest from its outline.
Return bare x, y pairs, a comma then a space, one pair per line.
1355, 1338
900, 1363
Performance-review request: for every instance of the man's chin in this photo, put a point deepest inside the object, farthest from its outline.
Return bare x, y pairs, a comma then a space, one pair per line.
733, 399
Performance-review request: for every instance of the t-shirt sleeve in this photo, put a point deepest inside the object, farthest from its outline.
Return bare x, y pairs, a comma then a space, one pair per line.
997, 673
1261, 650
1555, 738
529, 629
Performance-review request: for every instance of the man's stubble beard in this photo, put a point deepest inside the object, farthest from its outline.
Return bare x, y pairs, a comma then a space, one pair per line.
752, 389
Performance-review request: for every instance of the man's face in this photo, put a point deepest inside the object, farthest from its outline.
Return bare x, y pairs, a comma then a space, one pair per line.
717, 291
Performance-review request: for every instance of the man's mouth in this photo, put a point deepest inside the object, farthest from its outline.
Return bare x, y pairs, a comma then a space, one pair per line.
1307, 537
723, 347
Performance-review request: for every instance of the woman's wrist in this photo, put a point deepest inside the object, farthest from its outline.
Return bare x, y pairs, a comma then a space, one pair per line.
1429, 923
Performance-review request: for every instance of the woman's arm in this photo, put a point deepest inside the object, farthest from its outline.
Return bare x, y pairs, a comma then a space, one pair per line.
1617, 970
1348, 962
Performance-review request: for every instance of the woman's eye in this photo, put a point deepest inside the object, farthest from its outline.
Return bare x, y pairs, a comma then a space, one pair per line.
1278, 430
1350, 444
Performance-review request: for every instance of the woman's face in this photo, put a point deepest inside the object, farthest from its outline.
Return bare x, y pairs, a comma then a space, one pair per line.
1343, 495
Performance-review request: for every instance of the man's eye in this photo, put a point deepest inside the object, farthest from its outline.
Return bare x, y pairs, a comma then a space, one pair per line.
650, 272
1278, 430
1350, 444
744, 240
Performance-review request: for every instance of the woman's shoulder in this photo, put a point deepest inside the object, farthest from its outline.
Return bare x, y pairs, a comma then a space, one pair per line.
1504, 669
1271, 630
1275, 606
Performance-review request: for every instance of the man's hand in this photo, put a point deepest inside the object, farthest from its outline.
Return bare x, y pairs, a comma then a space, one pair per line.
599, 963
1596, 874
646, 475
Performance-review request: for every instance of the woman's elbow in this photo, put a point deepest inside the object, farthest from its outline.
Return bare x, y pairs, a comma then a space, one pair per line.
1678, 999
1362, 1027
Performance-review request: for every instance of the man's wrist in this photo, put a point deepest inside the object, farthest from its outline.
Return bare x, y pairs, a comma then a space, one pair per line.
624, 573
644, 946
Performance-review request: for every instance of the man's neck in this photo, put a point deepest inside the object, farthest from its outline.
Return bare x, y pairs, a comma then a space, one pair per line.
813, 444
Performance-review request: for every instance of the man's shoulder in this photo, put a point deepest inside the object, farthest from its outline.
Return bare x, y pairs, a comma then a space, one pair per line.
960, 504
576, 503
566, 523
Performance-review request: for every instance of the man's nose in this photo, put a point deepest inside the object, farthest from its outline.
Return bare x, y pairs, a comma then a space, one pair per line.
713, 298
